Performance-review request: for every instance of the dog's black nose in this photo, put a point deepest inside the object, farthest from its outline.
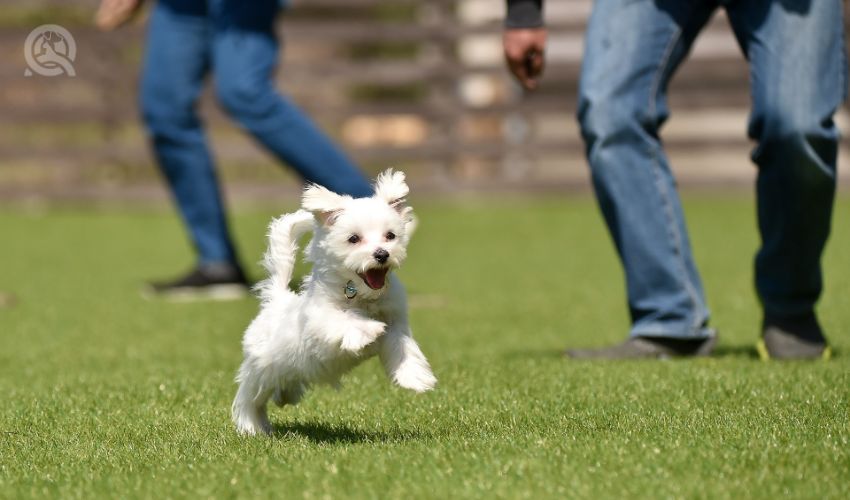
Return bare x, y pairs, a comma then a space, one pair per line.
381, 255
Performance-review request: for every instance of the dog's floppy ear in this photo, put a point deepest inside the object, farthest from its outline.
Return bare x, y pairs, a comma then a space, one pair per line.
391, 188
324, 203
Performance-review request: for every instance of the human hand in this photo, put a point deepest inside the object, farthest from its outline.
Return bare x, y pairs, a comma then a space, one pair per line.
114, 13
524, 54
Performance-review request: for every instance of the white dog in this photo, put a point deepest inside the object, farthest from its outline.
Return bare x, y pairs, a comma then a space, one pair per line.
350, 308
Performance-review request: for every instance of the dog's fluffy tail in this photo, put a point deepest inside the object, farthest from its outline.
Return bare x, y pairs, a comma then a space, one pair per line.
280, 257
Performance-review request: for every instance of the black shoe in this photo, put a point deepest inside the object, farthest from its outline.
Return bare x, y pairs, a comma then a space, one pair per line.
205, 282
792, 338
649, 348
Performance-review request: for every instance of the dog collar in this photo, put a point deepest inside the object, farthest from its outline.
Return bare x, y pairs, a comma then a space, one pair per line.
350, 290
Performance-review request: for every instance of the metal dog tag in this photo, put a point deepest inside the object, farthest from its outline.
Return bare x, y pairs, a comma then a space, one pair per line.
350, 290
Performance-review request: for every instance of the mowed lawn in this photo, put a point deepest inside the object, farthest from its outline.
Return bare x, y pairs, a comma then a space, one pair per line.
106, 394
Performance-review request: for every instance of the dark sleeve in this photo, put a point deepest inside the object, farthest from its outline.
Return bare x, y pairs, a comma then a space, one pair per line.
524, 14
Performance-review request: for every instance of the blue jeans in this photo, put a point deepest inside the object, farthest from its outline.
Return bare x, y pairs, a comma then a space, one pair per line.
798, 70
234, 41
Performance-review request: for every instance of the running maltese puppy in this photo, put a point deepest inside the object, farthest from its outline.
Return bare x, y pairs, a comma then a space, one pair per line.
350, 308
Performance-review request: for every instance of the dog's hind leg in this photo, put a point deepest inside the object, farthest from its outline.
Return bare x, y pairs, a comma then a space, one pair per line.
249, 406
290, 394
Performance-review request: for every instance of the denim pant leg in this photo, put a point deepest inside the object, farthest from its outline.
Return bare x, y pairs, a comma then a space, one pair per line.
245, 52
798, 71
632, 48
175, 62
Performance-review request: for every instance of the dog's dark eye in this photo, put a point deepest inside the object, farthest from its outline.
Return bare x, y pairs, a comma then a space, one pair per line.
390, 236
353, 239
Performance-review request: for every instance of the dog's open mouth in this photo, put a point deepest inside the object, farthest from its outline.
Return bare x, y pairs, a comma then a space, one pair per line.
375, 278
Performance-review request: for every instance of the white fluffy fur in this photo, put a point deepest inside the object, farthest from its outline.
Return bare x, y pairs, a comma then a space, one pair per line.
317, 335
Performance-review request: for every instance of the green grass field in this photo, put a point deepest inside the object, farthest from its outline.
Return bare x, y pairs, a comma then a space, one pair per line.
106, 394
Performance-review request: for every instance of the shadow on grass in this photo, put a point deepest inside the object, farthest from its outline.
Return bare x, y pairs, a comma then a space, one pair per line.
736, 351
749, 351
321, 432
535, 353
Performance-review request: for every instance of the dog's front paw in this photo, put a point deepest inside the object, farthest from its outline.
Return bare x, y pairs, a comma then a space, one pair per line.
354, 341
254, 429
252, 422
364, 334
373, 329
415, 377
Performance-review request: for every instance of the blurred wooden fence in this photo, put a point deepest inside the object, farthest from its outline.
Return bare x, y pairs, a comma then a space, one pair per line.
419, 85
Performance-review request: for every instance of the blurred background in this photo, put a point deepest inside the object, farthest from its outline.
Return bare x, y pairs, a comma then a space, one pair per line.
419, 85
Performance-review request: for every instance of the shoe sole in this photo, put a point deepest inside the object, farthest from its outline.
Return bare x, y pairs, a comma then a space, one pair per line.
707, 347
704, 350
217, 293
764, 354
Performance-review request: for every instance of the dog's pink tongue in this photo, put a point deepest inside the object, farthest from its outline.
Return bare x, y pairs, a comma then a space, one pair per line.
375, 278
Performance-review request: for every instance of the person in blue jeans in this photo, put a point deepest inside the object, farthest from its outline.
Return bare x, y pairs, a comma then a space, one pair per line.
234, 42
798, 74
